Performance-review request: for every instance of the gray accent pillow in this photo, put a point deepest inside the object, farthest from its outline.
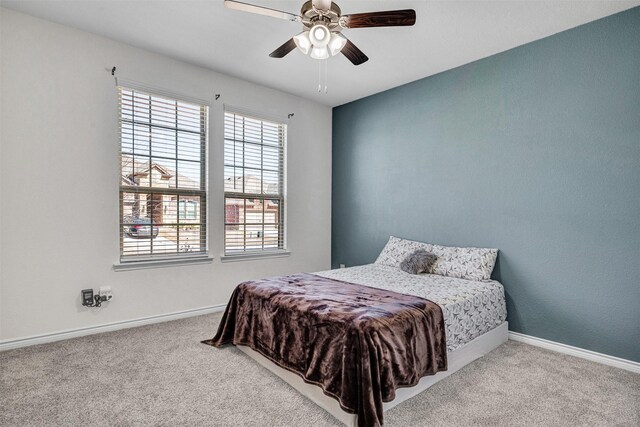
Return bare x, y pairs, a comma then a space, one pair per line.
419, 261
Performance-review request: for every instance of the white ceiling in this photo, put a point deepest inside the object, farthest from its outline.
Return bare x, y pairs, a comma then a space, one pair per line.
447, 34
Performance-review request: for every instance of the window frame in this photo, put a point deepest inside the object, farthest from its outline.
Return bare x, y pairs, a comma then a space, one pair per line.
177, 258
282, 249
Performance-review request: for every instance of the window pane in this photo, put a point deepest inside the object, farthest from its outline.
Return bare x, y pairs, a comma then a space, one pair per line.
252, 130
270, 183
189, 117
189, 239
166, 210
272, 211
234, 238
161, 174
271, 158
167, 241
253, 241
141, 108
133, 208
188, 174
189, 210
252, 181
141, 139
233, 152
126, 105
137, 228
163, 112
126, 170
126, 140
234, 211
252, 156
233, 180
163, 142
136, 246
189, 146
271, 236
253, 212
135, 171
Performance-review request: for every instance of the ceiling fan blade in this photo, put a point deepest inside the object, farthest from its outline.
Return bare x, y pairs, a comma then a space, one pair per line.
283, 50
321, 4
389, 18
353, 54
246, 7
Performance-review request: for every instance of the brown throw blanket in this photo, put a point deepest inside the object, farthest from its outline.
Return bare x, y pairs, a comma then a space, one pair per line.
358, 343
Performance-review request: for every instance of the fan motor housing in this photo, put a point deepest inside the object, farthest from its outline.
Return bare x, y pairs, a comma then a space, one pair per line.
311, 16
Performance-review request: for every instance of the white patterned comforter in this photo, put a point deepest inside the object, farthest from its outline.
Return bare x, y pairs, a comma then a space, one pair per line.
470, 308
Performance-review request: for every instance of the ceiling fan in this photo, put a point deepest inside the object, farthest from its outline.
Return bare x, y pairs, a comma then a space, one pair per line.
323, 22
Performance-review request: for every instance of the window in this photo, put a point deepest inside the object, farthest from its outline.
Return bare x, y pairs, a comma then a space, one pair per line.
163, 194
253, 184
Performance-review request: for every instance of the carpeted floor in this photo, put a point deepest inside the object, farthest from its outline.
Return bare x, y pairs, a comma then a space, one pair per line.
161, 375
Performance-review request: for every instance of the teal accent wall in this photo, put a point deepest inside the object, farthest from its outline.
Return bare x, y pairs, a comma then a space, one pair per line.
535, 151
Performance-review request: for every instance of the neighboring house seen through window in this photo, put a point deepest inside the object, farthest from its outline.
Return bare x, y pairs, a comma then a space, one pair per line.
163, 179
253, 184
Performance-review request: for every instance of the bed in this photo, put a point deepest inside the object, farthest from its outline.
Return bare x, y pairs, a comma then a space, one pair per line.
472, 315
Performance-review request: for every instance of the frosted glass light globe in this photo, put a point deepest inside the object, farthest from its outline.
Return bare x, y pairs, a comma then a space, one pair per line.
303, 42
338, 41
319, 53
319, 35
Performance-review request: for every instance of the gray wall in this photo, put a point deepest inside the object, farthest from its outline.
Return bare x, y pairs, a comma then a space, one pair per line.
535, 151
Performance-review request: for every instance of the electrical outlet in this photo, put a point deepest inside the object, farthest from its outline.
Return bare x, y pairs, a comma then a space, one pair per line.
343, 266
105, 292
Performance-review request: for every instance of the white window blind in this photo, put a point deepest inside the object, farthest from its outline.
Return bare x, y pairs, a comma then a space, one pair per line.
253, 184
163, 194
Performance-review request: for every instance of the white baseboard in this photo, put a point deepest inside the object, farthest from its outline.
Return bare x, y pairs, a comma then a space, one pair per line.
80, 332
593, 356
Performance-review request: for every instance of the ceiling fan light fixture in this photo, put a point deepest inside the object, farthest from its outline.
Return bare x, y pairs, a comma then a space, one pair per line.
322, 21
319, 35
303, 42
337, 42
319, 52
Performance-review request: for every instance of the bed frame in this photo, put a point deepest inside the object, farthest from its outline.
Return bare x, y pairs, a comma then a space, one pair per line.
457, 359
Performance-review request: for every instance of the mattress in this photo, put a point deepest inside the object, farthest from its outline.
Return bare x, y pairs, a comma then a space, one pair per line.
470, 308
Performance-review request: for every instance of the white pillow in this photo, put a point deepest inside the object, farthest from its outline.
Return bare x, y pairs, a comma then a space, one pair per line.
397, 249
463, 263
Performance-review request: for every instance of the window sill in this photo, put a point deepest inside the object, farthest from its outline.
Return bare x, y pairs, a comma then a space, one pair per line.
161, 263
254, 256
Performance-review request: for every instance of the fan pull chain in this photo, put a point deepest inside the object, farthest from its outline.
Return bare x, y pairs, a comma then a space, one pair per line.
326, 72
326, 67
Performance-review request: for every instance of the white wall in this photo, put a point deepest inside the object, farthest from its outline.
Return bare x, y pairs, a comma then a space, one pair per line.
1, 108
59, 146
